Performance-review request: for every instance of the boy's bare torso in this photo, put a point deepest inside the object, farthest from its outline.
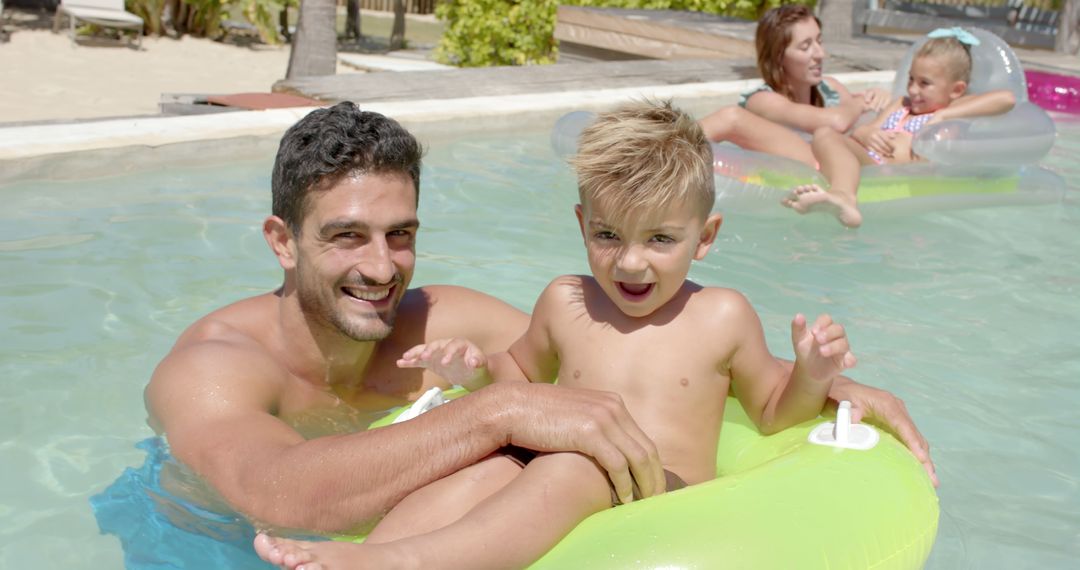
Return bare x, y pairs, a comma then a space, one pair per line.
670, 367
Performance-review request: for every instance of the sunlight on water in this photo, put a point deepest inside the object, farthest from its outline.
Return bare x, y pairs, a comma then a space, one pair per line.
969, 316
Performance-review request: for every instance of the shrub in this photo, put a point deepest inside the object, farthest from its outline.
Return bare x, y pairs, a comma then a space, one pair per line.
521, 32
497, 32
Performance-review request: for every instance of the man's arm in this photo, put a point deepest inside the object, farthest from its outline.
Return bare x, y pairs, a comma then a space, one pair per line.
217, 406
883, 409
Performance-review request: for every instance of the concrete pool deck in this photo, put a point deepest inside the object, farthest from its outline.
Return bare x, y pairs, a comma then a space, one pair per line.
500, 94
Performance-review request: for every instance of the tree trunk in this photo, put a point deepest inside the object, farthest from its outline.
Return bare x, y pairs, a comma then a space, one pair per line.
1068, 36
836, 18
352, 20
397, 33
314, 49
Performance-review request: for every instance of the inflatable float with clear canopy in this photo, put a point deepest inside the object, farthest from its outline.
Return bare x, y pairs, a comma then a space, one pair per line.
986, 161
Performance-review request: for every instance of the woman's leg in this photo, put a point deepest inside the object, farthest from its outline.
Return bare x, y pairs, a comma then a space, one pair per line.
751, 132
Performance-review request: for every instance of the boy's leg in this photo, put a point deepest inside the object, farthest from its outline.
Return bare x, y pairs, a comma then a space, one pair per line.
751, 132
510, 529
840, 166
446, 500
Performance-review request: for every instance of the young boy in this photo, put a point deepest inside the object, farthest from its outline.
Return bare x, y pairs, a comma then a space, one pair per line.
637, 327
937, 91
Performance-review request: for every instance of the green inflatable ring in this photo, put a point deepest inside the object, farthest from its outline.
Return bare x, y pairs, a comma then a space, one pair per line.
778, 502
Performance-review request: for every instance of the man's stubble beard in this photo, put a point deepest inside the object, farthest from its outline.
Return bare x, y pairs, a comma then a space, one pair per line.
313, 306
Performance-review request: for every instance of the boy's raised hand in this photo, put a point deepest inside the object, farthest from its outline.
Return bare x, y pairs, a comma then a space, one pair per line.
457, 360
821, 350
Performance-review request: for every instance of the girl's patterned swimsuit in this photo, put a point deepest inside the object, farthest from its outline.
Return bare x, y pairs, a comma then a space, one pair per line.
896, 122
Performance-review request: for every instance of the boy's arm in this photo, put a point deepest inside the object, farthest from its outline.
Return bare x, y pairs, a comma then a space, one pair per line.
981, 105
534, 354
771, 395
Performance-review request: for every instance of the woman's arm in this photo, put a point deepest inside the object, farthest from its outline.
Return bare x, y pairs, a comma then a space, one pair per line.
807, 118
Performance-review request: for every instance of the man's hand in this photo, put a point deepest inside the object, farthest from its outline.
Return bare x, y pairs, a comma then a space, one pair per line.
455, 359
886, 411
550, 418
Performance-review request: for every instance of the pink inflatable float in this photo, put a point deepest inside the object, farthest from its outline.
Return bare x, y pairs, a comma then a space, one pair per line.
1054, 92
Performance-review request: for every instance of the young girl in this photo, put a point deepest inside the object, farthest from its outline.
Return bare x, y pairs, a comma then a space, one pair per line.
937, 91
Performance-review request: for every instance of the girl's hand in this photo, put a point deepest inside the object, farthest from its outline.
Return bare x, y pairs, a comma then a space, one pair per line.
881, 142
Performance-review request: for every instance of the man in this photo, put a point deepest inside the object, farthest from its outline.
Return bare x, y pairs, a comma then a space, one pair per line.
268, 399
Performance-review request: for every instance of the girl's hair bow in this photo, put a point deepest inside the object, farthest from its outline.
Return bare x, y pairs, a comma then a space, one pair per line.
963, 36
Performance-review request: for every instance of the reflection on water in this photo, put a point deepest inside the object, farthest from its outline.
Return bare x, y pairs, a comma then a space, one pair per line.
969, 316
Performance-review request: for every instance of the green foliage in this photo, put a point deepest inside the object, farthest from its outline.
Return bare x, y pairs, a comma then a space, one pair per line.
263, 14
204, 18
521, 32
497, 32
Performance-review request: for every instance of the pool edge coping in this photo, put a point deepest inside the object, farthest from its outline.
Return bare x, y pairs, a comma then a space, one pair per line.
34, 141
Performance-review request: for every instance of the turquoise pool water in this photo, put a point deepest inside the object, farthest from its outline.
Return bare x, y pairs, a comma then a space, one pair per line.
970, 316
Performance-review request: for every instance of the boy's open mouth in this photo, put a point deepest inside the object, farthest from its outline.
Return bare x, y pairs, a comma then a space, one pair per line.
634, 291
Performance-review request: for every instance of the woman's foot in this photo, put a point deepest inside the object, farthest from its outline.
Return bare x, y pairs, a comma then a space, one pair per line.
812, 198
304, 555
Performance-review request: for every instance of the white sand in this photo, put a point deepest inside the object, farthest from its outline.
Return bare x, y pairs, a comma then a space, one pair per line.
42, 77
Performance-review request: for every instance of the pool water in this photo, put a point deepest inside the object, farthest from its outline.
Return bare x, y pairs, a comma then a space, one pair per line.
969, 316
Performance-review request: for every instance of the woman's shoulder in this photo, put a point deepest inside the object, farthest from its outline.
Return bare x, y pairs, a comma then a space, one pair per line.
744, 97
831, 91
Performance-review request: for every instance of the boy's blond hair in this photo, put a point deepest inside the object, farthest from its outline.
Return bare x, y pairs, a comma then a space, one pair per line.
950, 51
643, 156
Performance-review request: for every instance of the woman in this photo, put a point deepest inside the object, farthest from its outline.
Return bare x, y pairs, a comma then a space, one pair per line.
795, 95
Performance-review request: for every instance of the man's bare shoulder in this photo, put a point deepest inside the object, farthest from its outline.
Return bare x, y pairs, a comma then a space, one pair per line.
227, 353
444, 311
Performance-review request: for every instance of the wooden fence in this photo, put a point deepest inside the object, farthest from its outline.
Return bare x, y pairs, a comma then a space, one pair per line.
411, 6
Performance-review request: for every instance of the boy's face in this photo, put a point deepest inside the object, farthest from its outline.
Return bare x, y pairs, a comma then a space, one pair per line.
930, 87
642, 262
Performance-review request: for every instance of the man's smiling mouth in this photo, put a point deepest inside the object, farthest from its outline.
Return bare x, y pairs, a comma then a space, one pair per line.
367, 295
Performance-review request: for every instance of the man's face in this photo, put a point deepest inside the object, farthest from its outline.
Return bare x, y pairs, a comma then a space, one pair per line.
355, 254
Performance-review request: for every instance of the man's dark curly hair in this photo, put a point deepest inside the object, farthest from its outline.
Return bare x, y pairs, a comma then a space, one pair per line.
331, 143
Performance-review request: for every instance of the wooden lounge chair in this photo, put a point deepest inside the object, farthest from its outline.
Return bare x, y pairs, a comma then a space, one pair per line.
105, 13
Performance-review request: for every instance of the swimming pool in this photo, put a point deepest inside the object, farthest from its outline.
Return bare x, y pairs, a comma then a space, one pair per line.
970, 316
